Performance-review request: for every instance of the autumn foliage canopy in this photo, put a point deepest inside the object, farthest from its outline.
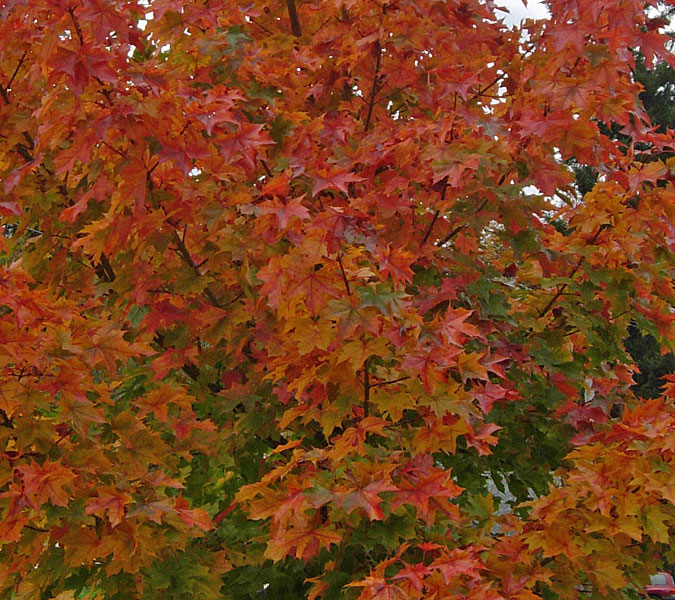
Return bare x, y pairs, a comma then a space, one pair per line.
299, 299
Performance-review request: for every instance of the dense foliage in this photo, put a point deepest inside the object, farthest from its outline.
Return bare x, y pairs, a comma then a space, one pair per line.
300, 299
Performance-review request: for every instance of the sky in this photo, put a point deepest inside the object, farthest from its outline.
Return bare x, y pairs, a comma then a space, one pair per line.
535, 9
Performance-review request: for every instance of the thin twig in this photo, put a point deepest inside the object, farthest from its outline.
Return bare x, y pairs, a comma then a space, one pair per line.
366, 387
459, 228
268, 171
24, 152
107, 268
16, 70
563, 287
120, 152
489, 85
184, 253
374, 89
390, 382
431, 226
344, 275
265, 29
78, 30
4, 91
436, 214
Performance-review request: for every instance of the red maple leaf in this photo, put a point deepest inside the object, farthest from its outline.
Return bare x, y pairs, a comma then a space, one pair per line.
339, 179
419, 488
245, 142
194, 517
111, 502
47, 482
367, 498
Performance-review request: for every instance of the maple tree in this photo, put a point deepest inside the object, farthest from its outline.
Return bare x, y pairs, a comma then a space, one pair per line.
286, 287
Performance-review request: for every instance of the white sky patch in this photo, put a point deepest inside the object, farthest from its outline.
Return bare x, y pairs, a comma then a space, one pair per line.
518, 12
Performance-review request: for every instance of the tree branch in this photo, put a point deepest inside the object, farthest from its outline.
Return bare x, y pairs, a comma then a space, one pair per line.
268, 171
5, 421
481, 91
389, 382
184, 253
296, 28
563, 287
375, 87
344, 275
78, 29
190, 369
459, 228
436, 214
4, 91
366, 387
107, 268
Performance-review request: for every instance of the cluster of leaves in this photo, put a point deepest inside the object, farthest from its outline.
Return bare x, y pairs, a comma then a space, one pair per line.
281, 303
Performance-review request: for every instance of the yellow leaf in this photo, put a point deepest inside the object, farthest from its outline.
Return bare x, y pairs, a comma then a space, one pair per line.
655, 524
606, 574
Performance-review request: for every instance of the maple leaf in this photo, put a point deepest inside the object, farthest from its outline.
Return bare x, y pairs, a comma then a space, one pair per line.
99, 191
482, 438
109, 502
470, 367
367, 498
489, 394
245, 142
282, 214
414, 574
193, 517
396, 262
353, 438
455, 329
157, 402
47, 482
441, 434
460, 561
377, 588
421, 487
10, 528
325, 179
301, 543
108, 345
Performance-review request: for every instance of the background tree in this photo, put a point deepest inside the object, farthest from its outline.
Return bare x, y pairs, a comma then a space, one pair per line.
276, 296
